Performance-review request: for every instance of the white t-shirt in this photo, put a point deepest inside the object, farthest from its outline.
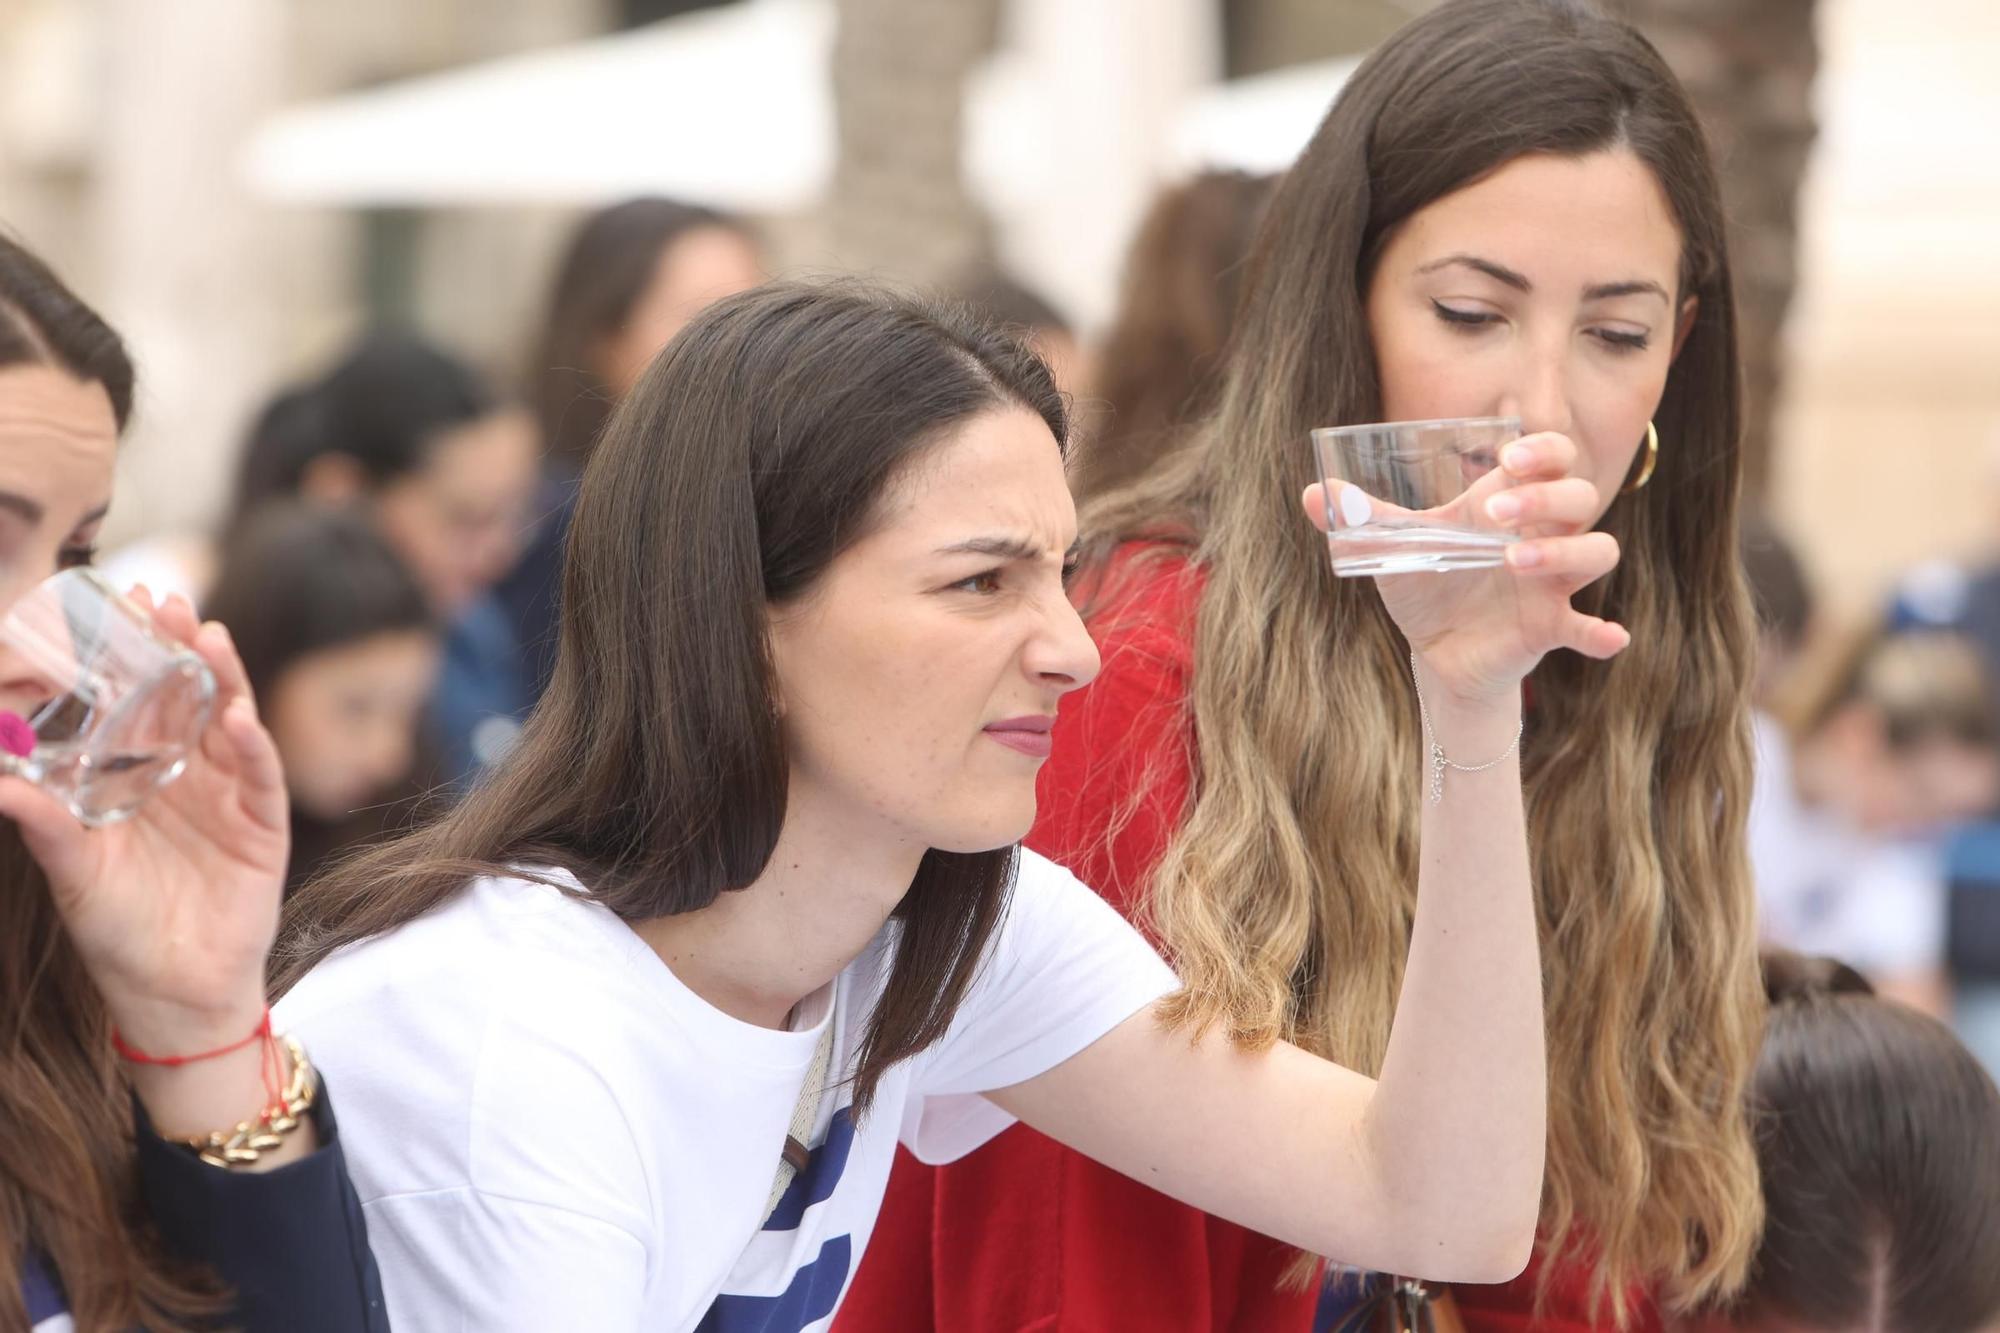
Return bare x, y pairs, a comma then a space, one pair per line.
549, 1131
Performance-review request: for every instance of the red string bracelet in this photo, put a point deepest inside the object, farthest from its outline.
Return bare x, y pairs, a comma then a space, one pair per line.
127, 1051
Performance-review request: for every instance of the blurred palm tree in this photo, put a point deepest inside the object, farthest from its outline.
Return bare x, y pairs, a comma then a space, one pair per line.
899, 203
1750, 69
898, 206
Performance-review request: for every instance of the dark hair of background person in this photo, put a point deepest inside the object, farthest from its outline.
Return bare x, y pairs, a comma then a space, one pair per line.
1779, 590
754, 451
607, 267
1879, 1143
1160, 364
68, 1178
383, 404
298, 579
1287, 904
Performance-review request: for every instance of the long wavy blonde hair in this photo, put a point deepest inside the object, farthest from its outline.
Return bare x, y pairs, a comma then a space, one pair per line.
1287, 895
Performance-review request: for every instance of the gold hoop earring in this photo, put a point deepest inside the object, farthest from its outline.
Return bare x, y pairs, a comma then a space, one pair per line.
1638, 483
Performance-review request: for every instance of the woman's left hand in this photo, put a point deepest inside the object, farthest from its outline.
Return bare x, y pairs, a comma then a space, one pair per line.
1480, 632
175, 909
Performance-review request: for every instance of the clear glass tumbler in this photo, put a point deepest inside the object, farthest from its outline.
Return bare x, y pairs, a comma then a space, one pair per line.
1396, 494
95, 707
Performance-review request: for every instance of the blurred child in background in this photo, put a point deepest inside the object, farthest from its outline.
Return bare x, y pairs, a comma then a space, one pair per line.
446, 468
1893, 750
342, 653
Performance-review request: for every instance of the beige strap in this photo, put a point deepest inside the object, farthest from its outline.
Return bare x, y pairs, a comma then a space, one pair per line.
795, 1153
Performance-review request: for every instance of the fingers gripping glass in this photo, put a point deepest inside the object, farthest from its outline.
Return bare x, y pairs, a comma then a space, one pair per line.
95, 707
1407, 496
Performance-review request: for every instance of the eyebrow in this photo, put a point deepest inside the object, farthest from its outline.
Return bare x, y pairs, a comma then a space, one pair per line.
1602, 291
1000, 548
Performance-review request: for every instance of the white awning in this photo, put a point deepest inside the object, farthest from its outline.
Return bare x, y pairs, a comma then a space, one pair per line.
729, 106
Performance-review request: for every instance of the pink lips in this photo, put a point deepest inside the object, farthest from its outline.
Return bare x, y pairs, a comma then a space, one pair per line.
16, 736
1029, 735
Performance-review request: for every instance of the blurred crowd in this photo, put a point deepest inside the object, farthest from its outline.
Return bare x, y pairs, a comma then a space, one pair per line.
390, 563
390, 560
1875, 820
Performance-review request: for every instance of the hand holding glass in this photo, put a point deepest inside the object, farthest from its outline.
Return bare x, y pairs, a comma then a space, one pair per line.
96, 708
1397, 494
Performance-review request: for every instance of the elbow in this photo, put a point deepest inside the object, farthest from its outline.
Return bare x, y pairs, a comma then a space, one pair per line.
1475, 1251
1497, 1259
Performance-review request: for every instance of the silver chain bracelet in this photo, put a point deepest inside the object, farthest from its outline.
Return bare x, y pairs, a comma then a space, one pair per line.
1438, 763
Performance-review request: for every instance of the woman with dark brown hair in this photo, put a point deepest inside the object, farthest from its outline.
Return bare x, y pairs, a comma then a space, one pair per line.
629, 278
1509, 211
627, 1039
132, 956
1160, 365
1878, 1135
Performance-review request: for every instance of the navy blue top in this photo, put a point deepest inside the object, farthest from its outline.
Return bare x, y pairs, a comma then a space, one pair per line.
290, 1242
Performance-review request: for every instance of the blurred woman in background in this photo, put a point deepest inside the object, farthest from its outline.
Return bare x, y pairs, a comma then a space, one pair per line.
1160, 366
445, 467
342, 652
631, 276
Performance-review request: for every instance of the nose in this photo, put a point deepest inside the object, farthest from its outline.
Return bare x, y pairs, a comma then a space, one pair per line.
1539, 391
1062, 654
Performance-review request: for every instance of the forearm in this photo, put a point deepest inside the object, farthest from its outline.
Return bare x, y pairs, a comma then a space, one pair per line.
1458, 1119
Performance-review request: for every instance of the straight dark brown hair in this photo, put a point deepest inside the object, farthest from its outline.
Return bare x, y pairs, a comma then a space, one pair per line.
1879, 1137
756, 449
68, 1179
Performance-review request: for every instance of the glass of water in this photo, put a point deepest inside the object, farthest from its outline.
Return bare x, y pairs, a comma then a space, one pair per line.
96, 708
1396, 494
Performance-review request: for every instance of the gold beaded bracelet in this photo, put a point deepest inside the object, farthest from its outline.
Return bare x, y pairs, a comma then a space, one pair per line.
253, 1138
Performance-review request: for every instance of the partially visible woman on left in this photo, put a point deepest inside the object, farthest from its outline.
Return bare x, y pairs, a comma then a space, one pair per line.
127, 950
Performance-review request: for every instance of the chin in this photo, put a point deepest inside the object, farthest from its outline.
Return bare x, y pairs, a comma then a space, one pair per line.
986, 834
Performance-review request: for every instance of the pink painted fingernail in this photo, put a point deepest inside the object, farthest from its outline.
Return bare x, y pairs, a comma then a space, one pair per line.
1524, 557
16, 736
1503, 508
1517, 458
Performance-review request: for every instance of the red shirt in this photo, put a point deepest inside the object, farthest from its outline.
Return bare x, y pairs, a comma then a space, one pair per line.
1026, 1236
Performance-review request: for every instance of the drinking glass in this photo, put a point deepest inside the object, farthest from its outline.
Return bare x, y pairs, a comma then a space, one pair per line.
1396, 494
95, 707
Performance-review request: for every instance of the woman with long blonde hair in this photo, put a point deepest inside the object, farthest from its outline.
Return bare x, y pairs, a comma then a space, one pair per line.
1510, 210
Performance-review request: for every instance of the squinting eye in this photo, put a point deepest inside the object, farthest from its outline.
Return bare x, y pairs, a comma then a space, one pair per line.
70, 557
988, 582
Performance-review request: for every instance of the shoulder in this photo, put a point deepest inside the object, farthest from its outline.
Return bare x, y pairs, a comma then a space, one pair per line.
496, 1045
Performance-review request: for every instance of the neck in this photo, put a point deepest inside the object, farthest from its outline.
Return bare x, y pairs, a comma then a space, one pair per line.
756, 952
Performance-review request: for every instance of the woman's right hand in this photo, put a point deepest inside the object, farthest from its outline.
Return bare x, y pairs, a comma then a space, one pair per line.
1478, 633
174, 910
